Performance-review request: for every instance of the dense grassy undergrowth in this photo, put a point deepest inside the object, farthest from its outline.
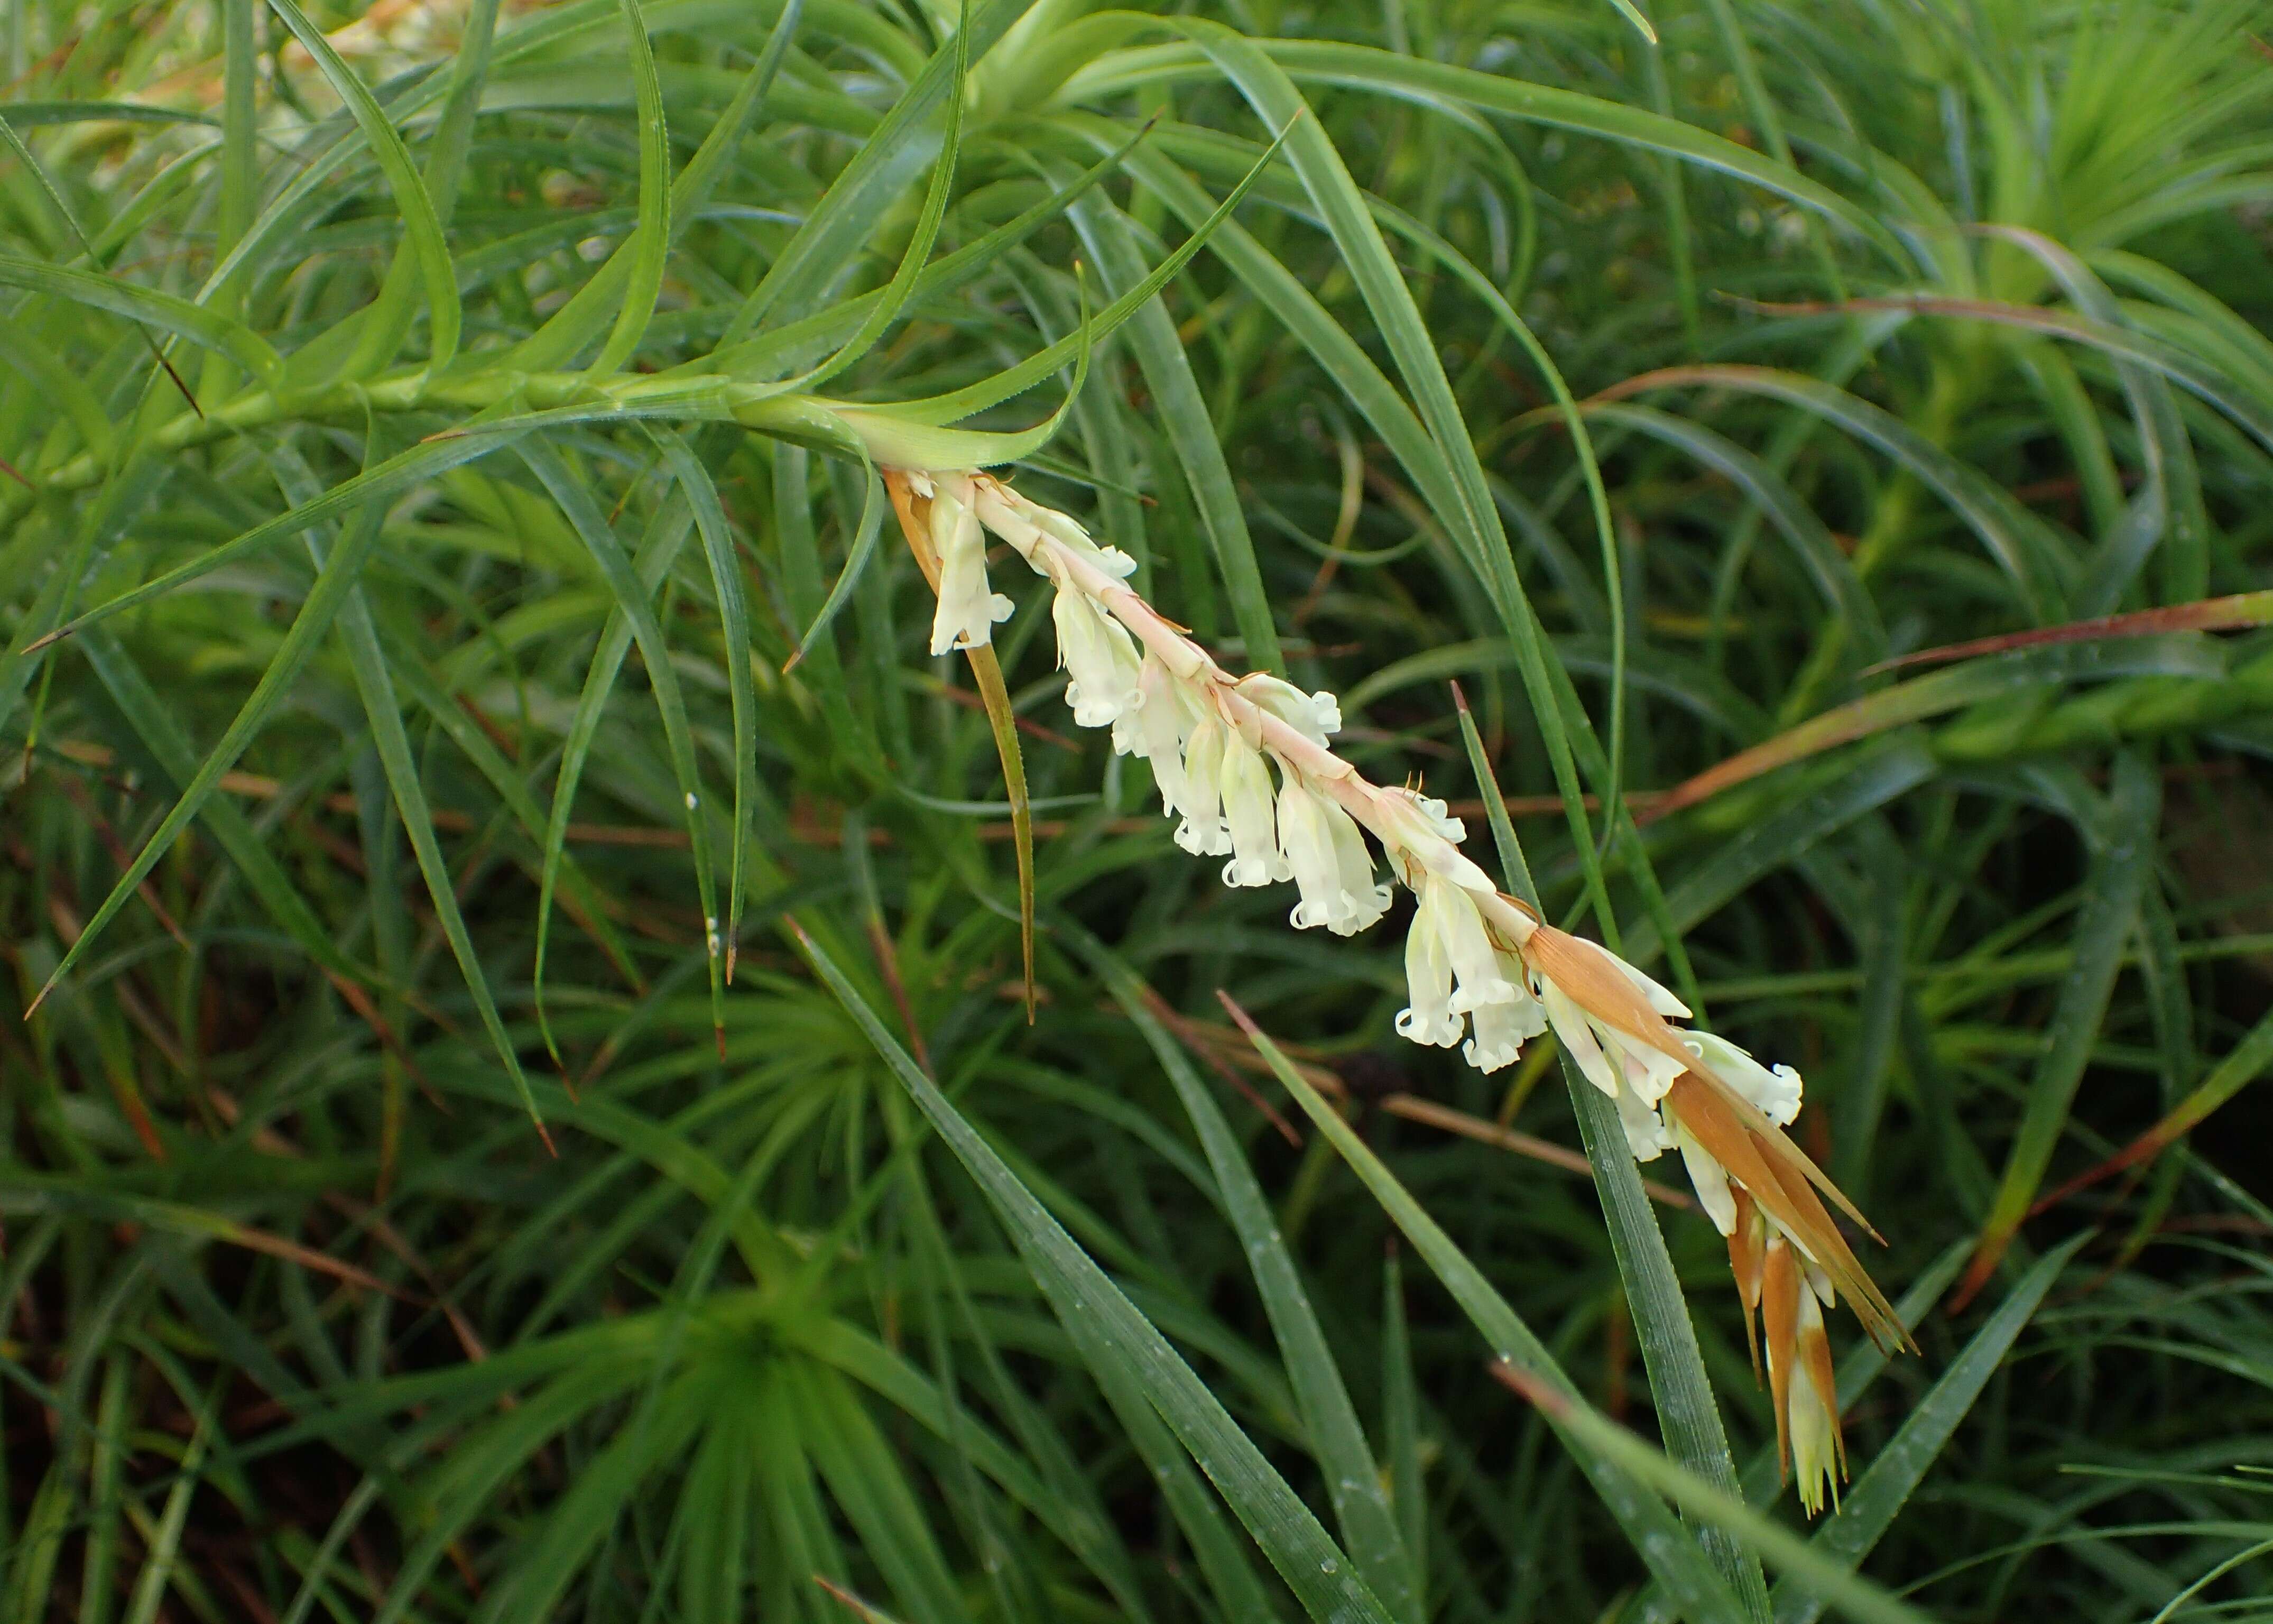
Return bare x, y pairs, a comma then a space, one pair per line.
532, 1110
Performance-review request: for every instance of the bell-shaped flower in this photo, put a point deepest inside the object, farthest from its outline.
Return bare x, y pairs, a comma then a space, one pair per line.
1166, 715
1314, 715
967, 608
1647, 1137
1257, 858
1100, 656
1502, 1028
1203, 832
1450, 966
1330, 859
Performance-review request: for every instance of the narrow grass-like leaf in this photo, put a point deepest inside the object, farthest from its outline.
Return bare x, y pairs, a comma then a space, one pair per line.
941, 276
887, 309
1855, 1598
70, 217
856, 562
734, 629
160, 734
165, 1540
575, 323
1890, 769
420, 224
1634, 14
631, 595
2119, 343
324, 601
22, 350
388, 320
373, 485
846, 215
1687, 1413
1377, 72
1669, 1550
147, 306
1314, 1568
1934, 695
1810, 539
1360, 1503
2122, 866
376, 688
2015, 539
448, 712
1188, 427
1017, 380
2247, 1061
1002, 719
650, 243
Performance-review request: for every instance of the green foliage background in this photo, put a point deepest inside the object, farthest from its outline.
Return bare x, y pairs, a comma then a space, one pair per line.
429, 429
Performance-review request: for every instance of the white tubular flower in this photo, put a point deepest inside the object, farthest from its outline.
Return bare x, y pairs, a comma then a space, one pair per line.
1314, 715
1710, 1179
1247, 809
1774, 1090
1663, 1002
1647, 1134
1428, 814
1450, 966
1611, 1060
1613, 1057
1355, 862
1330, 863
1502, 1029
1417, 828
1203, 832
1165, 717
1427, 1016
1099, 654
1023, 523
967, 609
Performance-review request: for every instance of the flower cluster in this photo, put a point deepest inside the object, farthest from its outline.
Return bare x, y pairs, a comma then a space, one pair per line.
1483, 974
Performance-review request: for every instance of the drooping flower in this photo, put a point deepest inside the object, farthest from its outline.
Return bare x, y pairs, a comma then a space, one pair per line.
1203, 832
967, 607
1165, 717
1423, 837
1775, 1092
1753, 1158
1316, 717
1247, 811
1331, 865
1502, 1027
1450, 966
1712, 1100
1608, 1017
1023, 523
1099, 655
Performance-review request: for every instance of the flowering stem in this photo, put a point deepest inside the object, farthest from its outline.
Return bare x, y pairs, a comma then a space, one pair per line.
1362, 799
